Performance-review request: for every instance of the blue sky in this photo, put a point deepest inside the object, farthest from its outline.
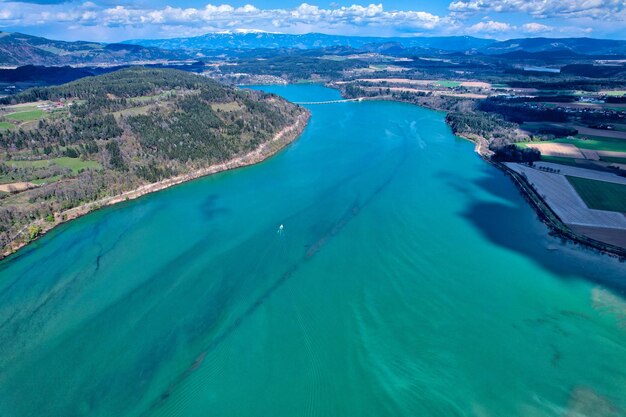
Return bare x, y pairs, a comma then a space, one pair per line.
111, 21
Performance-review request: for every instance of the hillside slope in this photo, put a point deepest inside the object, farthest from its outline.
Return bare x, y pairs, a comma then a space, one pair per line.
21, 49
98, 137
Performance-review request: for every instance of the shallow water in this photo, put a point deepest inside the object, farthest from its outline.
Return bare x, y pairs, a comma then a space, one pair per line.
411, 279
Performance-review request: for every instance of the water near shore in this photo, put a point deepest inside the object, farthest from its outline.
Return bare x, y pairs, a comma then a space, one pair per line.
410, 279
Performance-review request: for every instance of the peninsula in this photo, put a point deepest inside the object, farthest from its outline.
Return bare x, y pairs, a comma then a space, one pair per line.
102, 140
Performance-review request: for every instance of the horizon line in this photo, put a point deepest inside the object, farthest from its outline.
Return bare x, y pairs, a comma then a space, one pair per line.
258, 31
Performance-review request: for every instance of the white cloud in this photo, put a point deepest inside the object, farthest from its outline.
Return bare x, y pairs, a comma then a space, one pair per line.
489, 27
93, 20
6, 15
536, 28
224, 16
601, 9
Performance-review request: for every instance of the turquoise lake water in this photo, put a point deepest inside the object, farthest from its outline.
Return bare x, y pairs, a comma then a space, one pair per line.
410, 279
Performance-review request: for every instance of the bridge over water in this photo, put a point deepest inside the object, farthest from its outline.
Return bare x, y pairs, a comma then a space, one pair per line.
329, 101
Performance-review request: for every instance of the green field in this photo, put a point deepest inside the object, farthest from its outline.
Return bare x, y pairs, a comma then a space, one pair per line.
24, 116
579, 163
232, 106
614, 93
6, 179
613, 159
448, 84
29, 164
162, 95
596, 143
141, 99
599, 143
133, 111
21, 107
600, 195
560, 160
333, 57
75, 164
6, 125
47, 180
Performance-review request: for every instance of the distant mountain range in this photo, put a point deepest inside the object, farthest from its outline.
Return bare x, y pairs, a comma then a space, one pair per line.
257, 40
583, 46
21, 49
254, 40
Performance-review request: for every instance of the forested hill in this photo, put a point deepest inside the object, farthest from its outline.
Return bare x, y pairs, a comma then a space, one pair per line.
22, 49
100, 136
126, 83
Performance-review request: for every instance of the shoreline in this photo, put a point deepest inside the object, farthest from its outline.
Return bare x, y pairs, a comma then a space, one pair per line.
542, 209
286, 136
265, 151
